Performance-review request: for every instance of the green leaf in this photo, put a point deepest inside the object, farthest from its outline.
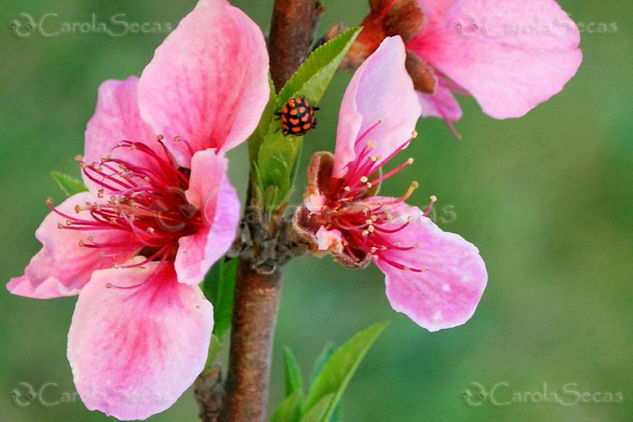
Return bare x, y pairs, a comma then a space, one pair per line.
313, 77
320, 362
319, 410
69, 185
290, 409
337, 372
277, 155
214, 348
255, 140
293, 373
219, 288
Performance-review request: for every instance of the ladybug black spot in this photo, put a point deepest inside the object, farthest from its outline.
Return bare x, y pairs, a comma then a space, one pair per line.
297, 116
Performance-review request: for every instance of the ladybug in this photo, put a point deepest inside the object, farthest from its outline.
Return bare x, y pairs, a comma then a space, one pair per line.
297, 116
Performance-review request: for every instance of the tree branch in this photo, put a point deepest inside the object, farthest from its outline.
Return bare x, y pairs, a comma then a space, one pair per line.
254, 320
257, 288
291, 33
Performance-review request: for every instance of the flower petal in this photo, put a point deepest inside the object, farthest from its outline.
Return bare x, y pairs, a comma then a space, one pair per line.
208, 81
62, 267
380, 90
211, 192
134, 350
441, 103
511, 55
446, 293
117, 118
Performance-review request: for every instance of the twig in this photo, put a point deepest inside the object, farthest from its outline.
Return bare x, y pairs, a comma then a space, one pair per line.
258, 288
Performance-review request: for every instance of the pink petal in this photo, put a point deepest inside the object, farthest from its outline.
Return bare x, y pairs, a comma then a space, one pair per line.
380, 90
211, 192
511, 55
117, 118
329, 240
62, 267
454, 276
133, 351
441, 103
208, 81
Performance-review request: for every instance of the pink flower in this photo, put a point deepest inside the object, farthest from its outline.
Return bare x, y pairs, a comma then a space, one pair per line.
159, 212
510, 55
435, 278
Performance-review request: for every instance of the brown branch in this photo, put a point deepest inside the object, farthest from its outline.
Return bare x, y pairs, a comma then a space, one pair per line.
259, 274
291, 32
254, 320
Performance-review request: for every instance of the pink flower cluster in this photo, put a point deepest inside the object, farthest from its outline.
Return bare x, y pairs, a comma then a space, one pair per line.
159, 210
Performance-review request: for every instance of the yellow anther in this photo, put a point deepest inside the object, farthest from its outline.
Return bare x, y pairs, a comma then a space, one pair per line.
410, 161
371, 229
414, 134
364, 179
371, 144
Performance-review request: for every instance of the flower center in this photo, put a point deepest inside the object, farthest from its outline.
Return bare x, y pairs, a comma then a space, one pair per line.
142, 194
366, 221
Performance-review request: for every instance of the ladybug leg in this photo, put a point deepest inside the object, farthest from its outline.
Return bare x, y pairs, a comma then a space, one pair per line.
316, 108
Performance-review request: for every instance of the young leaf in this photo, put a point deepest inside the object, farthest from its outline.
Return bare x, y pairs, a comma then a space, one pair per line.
214, 349
290, 409
293, 373
277, 155
318, 411
219, 288
337, 372
315, 74
69, 185
320, 362
257, 137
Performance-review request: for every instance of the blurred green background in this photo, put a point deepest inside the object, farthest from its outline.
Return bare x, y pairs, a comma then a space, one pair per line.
546, 198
